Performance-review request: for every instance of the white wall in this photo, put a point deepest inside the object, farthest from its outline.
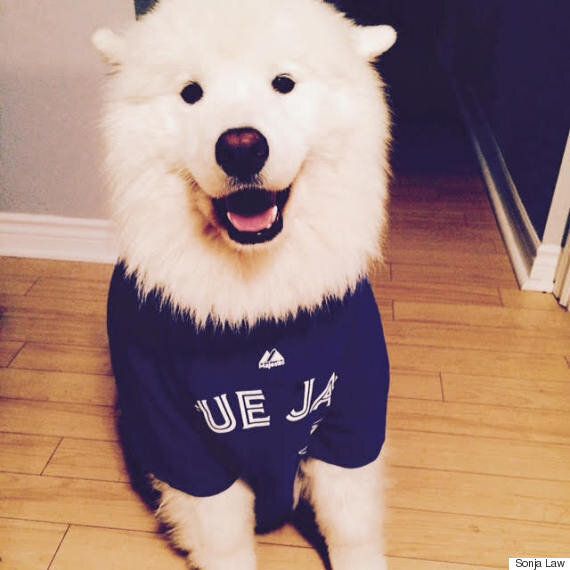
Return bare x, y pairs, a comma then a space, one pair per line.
50, 77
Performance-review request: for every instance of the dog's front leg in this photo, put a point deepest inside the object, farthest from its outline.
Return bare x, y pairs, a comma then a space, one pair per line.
348, 506
217, 531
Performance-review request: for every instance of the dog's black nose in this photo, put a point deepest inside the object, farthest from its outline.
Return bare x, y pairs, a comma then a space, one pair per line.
242, 152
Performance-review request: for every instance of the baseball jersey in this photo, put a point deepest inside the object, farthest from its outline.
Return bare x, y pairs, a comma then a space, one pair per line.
203, 407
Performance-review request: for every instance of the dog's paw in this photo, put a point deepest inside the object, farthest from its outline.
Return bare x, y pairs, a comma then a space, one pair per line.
243, 559
361, 557
190, 564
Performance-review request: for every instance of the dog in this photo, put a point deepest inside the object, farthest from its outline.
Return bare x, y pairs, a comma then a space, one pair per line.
247, 156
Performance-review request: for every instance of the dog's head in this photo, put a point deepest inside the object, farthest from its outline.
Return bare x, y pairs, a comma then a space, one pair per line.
241, 135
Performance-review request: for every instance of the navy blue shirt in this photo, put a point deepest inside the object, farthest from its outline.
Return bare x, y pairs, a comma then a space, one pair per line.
201, 408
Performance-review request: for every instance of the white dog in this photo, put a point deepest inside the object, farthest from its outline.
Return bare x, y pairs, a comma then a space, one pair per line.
246, 150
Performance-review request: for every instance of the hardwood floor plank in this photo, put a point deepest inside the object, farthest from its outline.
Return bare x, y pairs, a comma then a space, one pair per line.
478, 541
443, 235
411, 213
503, 497
450, 452
548, 426
49, 386
407, 199
381, 272
64, 358
64, 330
448, 188
425, 220
386, 309
463, 539
426, 386
25, 453
500, 245
524, 341
436, 293
458, 229
76, 289
21, 266
465, 259
551, 323
528, 300
488, 223
27, 545
512, 392
276, 557
15, 285
8, 350
492, 277
98, 548
93, 549
52, 307
415, 564
58, 419
482, 215
81, 459
74, 501
400, 242
415, 203
478, 362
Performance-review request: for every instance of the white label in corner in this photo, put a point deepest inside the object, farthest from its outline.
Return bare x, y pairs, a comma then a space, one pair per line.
533, 563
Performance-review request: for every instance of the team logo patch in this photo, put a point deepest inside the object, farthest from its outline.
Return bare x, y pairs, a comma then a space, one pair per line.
271, 359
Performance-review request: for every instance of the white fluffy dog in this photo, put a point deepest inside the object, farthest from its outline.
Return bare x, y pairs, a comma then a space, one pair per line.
246, 148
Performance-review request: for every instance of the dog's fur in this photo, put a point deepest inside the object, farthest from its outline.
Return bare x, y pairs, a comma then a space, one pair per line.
328, 141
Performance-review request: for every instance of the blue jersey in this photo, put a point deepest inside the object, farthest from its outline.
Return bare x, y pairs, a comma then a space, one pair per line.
203, 407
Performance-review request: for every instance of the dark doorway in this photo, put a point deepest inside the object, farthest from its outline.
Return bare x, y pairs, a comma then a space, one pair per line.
429, 137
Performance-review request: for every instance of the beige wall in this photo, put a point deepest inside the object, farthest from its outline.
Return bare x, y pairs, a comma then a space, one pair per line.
50, 79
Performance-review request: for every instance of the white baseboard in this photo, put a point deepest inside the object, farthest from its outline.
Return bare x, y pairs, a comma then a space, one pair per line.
534, 263
543, 270
562, 282
55, 237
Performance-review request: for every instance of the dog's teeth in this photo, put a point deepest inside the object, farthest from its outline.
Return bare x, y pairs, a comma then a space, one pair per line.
274, 212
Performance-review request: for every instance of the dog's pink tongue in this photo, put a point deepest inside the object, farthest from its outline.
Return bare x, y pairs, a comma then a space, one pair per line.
255, 223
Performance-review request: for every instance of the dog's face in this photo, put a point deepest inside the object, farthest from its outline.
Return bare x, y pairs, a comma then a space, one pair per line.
238, 112
250, 127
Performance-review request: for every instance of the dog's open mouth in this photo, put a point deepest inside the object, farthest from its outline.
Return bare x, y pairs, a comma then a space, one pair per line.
252, 215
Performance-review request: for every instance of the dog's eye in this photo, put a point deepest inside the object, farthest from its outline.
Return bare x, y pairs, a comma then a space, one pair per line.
192, 93
283, 84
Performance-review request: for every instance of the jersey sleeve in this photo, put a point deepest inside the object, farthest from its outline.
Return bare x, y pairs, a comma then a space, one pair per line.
156, 430
353, 430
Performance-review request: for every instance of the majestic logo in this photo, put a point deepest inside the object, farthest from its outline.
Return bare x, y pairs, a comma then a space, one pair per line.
271, 359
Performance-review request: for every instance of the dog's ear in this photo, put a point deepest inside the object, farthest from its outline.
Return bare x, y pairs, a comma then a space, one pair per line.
372, 41
110, 45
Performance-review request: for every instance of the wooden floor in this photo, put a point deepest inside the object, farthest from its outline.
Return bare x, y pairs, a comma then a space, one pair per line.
479, 430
